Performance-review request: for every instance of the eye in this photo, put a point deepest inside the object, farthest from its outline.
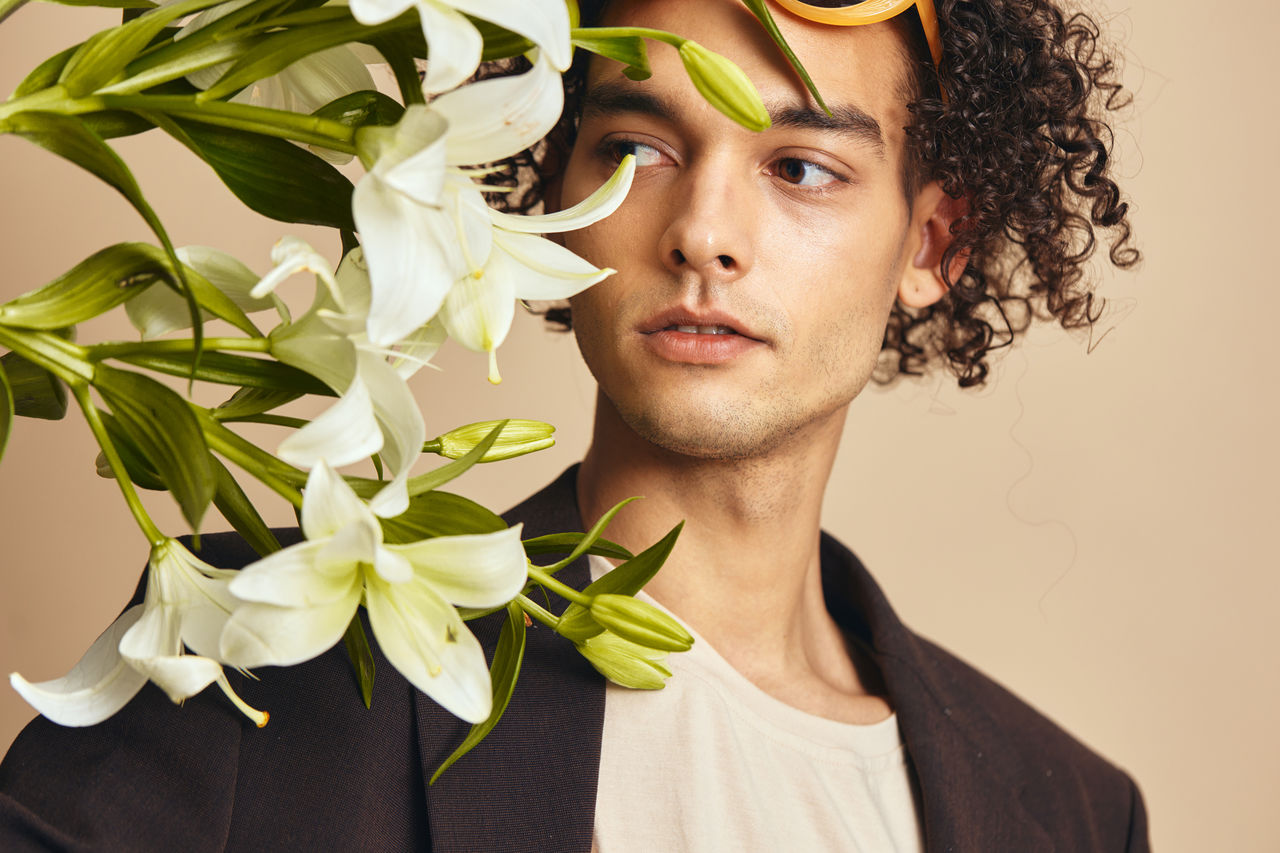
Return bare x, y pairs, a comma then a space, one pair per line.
803, 173
646, 155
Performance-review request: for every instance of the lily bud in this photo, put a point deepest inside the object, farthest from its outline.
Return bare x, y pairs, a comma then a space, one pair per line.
626, 663
724, 85
517, 438
640, 622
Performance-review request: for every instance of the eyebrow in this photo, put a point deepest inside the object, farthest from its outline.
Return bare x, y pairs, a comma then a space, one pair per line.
846, 120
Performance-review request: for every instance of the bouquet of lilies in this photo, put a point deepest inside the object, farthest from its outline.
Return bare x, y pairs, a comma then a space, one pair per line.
270, 93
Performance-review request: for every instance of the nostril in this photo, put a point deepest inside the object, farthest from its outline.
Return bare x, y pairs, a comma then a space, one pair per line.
725, 261
678, 257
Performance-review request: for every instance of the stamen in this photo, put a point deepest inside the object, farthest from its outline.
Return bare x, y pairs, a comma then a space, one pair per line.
494, 377
259, 718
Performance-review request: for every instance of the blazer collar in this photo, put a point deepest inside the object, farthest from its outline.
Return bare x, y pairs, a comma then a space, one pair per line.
971, 778
531, 784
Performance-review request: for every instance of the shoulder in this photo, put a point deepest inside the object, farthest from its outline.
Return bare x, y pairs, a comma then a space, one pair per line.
974, 743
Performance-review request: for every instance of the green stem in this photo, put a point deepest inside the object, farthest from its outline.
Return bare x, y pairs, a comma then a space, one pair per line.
271, 420
558, 587
270, 471
537, 611
94, 419
98, 352
60, 357
312, 130
629, 32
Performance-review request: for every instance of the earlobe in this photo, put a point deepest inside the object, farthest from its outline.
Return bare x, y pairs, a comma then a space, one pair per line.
923, 282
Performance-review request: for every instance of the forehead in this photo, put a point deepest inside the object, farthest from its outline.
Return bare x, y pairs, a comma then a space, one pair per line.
866, 67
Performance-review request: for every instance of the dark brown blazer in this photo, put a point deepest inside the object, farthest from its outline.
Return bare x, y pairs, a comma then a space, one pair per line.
327, 774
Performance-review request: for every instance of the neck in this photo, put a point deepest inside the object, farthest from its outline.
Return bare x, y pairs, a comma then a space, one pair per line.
745, 572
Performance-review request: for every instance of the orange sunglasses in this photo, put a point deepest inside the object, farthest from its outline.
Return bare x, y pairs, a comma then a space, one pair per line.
855, 13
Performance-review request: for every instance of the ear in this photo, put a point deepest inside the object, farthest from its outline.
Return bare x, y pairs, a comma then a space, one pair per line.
932, 216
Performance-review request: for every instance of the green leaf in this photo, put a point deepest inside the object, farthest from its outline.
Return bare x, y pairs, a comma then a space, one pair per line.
398, 50
97, 284
166, 432
589, 538
435, 513
361, 658
37, 393
626, 579
107, 4
45, 74
111, 124
761, 11
230, 369
438, 477
361, 108
102, 58
70, 139
240, 512
6, 410
629, 50
286, 47
250, 401
272, 176
140, 471
503, 673
499, 42
560, 543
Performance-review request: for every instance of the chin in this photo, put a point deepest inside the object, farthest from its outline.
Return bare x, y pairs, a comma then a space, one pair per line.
712, 432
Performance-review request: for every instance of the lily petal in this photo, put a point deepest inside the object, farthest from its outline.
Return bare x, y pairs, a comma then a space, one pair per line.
267, 635
328, 503
543, 22
370, 12
501, 116
423, 637
408, 266
153, 646
345, 433
99, 685
550, 271
475, 570
294, 577
159, 310
322, 77
413, 159
454, 46
402, 428
479, 309
590, 210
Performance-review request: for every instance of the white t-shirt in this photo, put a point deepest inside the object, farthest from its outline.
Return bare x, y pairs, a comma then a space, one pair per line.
713, 763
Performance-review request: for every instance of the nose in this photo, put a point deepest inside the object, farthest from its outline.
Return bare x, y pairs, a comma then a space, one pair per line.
710, 231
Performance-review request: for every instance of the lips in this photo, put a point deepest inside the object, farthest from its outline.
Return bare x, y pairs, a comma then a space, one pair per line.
695, 322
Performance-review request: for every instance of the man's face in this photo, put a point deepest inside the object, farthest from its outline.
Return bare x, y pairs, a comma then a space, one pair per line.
756, 271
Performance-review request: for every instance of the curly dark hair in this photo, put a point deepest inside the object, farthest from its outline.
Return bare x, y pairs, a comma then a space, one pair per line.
1014, 122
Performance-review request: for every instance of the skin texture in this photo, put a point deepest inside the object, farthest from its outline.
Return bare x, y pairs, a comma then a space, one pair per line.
800, 238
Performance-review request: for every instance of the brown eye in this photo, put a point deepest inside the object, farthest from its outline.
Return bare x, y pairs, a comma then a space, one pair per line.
803, 173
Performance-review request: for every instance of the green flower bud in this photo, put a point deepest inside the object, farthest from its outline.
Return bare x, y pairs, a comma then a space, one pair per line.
640, 622
626, 663
724, 85
37, 393
517, 438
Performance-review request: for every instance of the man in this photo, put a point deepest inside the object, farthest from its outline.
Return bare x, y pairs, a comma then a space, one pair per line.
762, 279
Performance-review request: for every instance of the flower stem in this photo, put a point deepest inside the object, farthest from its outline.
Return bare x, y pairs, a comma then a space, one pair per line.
270, 471
91, 415
537, 611
98, 352
60, 357
559, 587
629, 32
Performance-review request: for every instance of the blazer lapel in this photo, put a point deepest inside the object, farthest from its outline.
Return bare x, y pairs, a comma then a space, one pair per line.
531, 784
970, 777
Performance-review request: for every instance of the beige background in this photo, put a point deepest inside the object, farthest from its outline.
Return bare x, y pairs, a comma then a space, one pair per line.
1089, 530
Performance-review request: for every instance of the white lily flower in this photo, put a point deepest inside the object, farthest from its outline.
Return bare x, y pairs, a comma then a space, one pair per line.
301, 599
159, 310
187, 603
453, 43
376, 412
